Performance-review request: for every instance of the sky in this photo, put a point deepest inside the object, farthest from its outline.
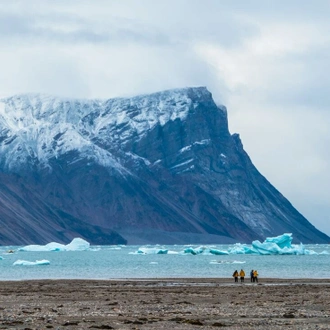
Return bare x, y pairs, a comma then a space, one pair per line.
268, 62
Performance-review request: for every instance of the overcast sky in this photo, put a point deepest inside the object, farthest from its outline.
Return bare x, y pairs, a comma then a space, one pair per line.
267, 61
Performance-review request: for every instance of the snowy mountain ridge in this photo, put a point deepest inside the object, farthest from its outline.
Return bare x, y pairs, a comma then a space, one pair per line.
36, 127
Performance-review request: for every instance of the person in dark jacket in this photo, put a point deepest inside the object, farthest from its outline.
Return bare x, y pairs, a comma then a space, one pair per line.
251, 275
235, 275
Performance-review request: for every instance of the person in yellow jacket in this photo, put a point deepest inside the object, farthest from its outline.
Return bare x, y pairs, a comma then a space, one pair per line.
242, 275
255, 276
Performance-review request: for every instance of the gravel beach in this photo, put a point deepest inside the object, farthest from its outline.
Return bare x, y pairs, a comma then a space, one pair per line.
165, 304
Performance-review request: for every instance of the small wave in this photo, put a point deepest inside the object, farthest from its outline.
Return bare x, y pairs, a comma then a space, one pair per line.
227, 262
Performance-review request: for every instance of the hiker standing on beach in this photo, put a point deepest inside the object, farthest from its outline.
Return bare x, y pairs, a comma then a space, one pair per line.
235, 275
255, 276
242, 275
251, 276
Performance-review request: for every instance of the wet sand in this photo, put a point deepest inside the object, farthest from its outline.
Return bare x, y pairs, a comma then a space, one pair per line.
165, 304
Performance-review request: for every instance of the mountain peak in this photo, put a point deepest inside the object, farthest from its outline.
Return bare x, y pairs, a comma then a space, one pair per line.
193, 92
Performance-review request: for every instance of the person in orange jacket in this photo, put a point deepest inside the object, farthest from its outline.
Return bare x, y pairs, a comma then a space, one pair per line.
255, 276
242, 275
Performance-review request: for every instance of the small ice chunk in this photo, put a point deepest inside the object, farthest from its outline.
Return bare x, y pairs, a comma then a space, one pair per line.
143, 250
31, 263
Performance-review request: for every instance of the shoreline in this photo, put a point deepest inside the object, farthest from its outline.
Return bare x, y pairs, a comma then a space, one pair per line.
180, 303
182, 280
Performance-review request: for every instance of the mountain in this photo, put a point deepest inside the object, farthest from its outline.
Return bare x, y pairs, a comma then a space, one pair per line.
159, 168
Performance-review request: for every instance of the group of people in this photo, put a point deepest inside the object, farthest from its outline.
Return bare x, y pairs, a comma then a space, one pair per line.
253, 275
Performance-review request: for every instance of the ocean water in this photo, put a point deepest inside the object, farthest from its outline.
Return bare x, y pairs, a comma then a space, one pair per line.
122, 262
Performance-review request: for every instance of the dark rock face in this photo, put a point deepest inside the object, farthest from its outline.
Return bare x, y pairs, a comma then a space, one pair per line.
160, 168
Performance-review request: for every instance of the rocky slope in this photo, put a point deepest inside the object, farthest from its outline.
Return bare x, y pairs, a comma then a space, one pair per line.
159, 168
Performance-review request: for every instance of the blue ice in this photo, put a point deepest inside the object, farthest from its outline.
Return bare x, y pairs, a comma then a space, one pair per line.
279, 245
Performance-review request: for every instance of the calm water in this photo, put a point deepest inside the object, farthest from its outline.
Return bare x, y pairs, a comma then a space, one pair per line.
109, 262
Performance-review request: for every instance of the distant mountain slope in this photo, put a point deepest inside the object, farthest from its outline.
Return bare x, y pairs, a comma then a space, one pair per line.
159, 168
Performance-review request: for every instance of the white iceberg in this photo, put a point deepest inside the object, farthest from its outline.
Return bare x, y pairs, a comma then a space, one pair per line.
31, 263
77, 244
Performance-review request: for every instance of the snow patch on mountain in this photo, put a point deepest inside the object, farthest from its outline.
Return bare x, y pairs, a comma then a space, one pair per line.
38, 127
202, 142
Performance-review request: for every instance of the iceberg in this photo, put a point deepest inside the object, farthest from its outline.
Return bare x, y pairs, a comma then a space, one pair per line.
242, 249
279, 245
281, 241
218, 252
77, 244
193, 251
31, 263
143, 250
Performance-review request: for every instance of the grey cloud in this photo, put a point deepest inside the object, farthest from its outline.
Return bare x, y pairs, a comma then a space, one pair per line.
14, 28
309, 87
155, 25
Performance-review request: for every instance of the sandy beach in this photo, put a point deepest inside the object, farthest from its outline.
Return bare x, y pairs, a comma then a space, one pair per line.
165, 304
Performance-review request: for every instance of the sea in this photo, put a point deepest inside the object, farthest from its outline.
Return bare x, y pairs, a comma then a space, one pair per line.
124, 262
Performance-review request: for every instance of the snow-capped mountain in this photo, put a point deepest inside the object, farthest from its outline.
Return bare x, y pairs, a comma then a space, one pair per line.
159, 168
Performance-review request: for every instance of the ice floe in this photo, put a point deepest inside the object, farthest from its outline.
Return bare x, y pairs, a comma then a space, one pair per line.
31, 263
227, 262
77, 244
